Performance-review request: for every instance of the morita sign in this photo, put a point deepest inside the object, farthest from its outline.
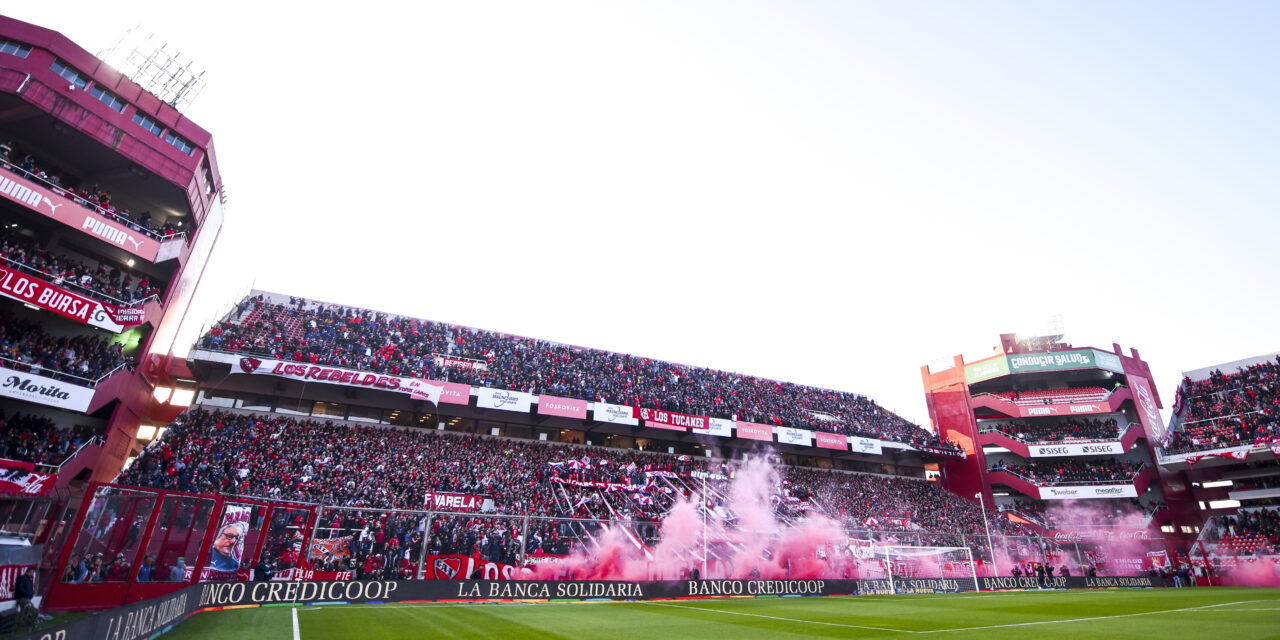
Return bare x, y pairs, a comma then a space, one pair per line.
1075, 449
38, 293
42, 390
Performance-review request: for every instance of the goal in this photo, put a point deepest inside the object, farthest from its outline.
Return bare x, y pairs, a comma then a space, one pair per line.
927, 569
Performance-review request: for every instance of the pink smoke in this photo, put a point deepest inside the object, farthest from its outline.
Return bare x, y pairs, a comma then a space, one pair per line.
742, 537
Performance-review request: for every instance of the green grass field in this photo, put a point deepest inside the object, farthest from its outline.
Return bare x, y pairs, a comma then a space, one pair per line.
1243, 614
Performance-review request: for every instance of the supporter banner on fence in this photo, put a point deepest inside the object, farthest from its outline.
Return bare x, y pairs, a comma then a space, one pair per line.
1075, 449
788, 435
987, 369
1063, 409
339, 547
19, 478
298, 573
460, 363
442, 501
38, 293
598, 484
717, 427
52, 205
418, 388
832, 441
563, 407
1077, 492
503, 400
753, 431
670, 420
39, 389
869, 446
1052, 361
228, 545
9, 577
613, 413
449, 566
1146, 401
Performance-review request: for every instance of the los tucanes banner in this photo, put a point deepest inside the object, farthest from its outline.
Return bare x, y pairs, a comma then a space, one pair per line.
669, 420
869, 446
563, 407
613, 414
52, 205
73, 306
1063, 409
1075, 449
39, 389
1146, 401
18, 478
788, 435
418, 388
1075, 492
443, 501
717, 427
753, 431
503, 400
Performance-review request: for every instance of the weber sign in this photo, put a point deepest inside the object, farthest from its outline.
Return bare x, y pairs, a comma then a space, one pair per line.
1079, 492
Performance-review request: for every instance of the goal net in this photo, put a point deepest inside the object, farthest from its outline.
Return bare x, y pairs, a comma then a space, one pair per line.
921, 569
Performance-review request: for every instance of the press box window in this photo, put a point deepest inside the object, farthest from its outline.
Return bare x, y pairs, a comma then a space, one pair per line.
106, 98
67, 73
148, 124
179, 143
14, 49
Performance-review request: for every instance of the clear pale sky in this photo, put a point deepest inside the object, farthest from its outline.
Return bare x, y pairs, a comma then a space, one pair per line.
831, 193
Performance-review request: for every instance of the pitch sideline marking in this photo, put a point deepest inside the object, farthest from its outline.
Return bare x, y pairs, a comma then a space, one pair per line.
1122, 615
757, 615
296, 635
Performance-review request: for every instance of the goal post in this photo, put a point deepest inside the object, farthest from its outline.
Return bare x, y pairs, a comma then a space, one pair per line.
929, 569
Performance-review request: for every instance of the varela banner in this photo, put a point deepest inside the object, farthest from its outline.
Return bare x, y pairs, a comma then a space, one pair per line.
1077, 492
1075, 449
444, 501
38, 293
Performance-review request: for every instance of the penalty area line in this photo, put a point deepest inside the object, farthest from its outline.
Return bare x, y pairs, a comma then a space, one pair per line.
758, 615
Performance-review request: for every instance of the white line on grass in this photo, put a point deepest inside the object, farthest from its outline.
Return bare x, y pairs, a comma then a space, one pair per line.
757, 615
296, 635
1122, 615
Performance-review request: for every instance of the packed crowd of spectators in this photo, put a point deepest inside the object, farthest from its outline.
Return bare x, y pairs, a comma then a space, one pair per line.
365, 340
107, 284
36, 439
1071, 429
1072, 471
389, 468
1259, 522
93, 197
1229, 409
78, 359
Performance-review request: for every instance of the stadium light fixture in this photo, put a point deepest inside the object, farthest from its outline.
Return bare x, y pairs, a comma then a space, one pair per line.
162, 393
147, 432
1217, 483
182, 397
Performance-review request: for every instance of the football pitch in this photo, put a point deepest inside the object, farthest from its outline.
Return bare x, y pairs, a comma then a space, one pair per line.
1243, 614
